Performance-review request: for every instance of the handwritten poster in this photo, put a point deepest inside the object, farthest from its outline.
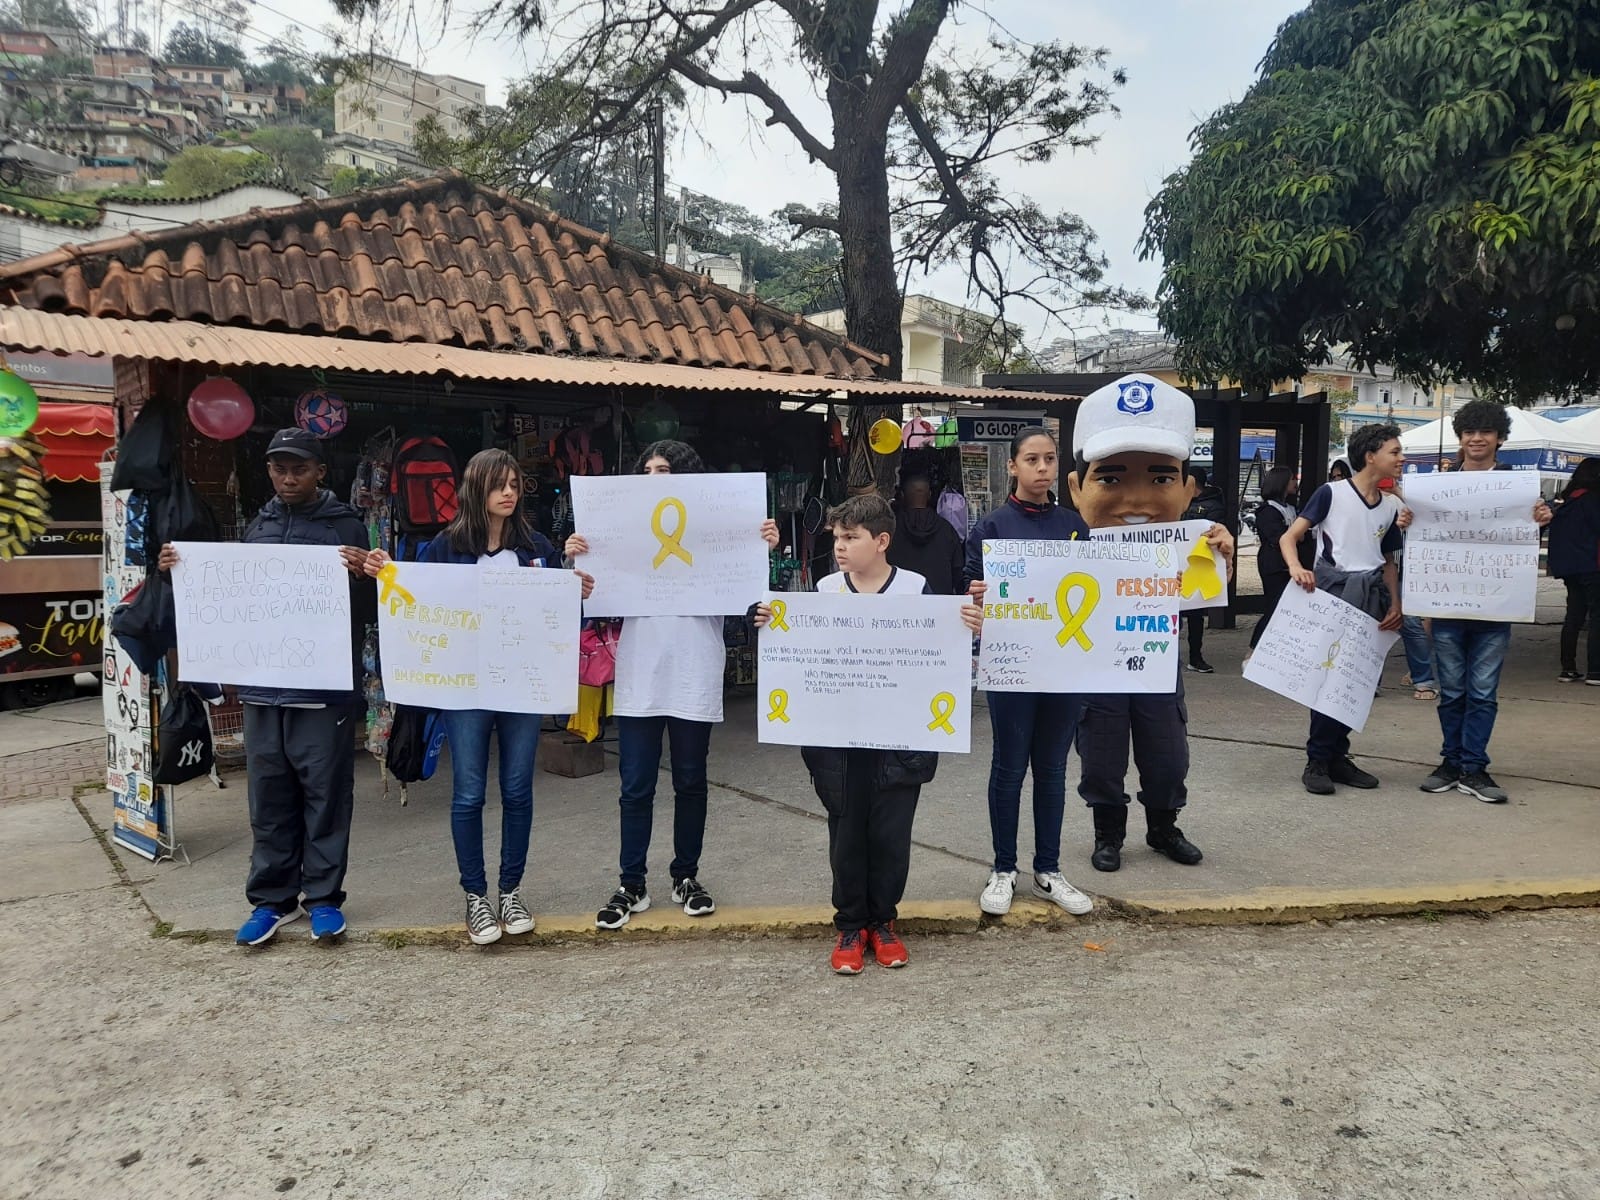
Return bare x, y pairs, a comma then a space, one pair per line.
1323, 653
1094, 616
672, 545
1473, 549
462, 636
271, 616
1205, 572
870, 672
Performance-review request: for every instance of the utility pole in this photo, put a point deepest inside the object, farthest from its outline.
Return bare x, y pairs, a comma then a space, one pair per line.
659, 137
682, 235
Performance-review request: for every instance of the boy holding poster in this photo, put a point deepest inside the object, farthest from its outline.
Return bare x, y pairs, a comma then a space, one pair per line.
1131, 445
870, 795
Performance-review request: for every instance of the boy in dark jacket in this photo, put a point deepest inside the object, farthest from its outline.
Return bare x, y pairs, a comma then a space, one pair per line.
300, 744
925, 542
871, 795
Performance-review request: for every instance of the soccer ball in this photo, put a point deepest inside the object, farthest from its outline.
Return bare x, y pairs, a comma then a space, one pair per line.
321, 412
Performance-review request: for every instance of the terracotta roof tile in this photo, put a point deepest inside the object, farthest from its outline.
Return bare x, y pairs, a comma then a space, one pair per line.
441, 261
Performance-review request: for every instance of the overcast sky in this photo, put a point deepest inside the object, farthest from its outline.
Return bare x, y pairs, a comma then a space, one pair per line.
1183, 58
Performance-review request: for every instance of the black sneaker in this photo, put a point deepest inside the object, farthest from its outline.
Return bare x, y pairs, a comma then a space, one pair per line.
1482, 785
1107, 855
621, 907
1202, 667
1569, 677
696, 901
1171, 842
1444, 778
1344, 770
1316, 779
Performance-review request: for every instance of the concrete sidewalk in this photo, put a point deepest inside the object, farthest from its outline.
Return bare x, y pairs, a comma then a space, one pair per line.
1272, 851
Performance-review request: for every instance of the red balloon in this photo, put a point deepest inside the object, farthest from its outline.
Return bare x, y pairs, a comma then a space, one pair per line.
221, 409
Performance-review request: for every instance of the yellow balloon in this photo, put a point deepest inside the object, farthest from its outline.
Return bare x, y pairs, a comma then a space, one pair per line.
884, 436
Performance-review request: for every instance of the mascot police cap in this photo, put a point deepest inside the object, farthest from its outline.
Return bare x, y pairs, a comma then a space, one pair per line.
1136, 413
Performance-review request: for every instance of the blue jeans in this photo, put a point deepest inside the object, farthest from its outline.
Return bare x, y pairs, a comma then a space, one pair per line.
1030, 729
518, 734
1419, 655
1469, 655
639, 748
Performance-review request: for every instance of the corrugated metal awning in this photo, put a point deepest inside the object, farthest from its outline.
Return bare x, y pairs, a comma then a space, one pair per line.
227, 346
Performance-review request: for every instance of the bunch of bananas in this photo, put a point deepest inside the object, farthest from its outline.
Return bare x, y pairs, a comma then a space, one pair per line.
24, 502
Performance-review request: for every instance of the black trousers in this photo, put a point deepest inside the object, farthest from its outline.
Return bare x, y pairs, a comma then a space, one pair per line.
1195, 619
869, 844
301, 768
1159, 729
1273, 585
1583, 606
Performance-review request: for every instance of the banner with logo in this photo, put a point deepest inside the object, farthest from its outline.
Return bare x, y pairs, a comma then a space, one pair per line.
1084, 616
672, 545
866, 672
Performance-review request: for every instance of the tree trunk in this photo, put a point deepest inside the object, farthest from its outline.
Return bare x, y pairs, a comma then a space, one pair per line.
872, 300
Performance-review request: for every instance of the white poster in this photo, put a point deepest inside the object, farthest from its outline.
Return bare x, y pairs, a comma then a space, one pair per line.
461, 636
1323, 653
1205, 572
1473, 549
268, 616
1080, 617
868, 672
672, 545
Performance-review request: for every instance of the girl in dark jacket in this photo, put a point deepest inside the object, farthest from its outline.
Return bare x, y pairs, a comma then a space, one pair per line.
491, 527
1273, 518
1575, 560
1031, 729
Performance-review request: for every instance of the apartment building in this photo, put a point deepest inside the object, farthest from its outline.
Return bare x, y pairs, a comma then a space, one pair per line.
386, 100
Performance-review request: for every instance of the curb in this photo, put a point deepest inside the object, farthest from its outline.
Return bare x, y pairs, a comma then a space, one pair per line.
1264, 906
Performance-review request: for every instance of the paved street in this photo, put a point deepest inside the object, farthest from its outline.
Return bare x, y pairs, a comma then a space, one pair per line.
1418, 1058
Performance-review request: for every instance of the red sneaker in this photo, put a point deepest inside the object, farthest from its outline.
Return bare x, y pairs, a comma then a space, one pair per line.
886, 945
850, 952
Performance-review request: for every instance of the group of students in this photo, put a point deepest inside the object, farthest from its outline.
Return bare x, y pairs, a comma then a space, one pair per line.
1131, 445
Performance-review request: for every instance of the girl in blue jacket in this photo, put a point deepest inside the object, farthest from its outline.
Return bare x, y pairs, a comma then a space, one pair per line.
1030, 728
491, 527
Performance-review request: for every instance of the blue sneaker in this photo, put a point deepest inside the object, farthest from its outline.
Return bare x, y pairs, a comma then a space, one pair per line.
263, 924
326, 922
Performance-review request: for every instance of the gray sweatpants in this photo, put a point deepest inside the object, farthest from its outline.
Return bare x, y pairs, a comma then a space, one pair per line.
301, 767
1159, 729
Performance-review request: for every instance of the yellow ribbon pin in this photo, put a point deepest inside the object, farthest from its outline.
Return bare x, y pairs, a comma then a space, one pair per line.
1201, 573
1072, 619
779, 609
779, 700
943, 707
671, 543
392, 593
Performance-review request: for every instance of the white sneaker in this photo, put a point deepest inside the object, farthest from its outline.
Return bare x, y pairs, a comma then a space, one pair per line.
1055, 888
996, 898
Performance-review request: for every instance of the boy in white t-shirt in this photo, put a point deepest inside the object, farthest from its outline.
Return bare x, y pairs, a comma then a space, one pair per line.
1358, 527
870, 795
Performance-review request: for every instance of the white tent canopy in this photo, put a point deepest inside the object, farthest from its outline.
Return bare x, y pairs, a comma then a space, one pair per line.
1581, 435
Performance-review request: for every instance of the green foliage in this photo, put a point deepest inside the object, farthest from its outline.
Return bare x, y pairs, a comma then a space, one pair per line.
1419, 179
193, 45
356, 179
205, 170
297, 154
31, 14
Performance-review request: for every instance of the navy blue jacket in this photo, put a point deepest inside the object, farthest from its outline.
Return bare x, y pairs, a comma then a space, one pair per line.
322, 521
1575, 535
542, 553
1013, 522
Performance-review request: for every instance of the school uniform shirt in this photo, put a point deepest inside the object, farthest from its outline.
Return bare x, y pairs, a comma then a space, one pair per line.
901, 583
670, 667
1353, 535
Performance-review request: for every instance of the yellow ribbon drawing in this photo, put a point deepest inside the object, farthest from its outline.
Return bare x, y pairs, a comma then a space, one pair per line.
779, 700
1163, 554
1072, 619
391, 592
779, 608
1333, 655
943, 706
671, 543
1201, 573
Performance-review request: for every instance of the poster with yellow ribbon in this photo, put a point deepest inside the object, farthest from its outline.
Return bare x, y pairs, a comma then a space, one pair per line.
1205, 572
1080, 616
867, 672
672, 545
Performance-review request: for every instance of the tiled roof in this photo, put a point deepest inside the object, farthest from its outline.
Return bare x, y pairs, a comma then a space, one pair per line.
438, 260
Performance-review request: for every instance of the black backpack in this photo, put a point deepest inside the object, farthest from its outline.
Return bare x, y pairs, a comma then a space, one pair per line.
416, 736
180, 515
183, 739
144, 453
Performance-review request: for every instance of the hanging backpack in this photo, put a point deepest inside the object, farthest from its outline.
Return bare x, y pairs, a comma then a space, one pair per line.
144, 452
597, 652
180, 515
183, 739
416, 738
952, 506
422, 481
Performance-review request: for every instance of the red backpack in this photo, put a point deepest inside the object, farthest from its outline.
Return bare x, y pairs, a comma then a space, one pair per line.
423, 483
